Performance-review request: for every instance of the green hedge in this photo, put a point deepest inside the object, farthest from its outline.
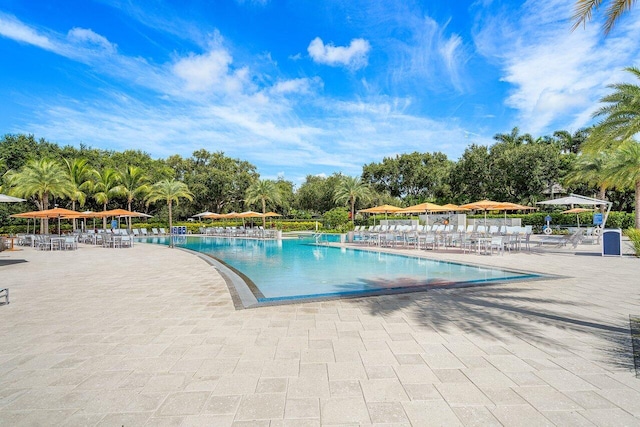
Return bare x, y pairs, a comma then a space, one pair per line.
621, 220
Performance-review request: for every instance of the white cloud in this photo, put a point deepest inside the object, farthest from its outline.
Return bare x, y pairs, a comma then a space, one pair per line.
296, 86
429, 55
203, 72
12, 28
91, 40
204, 100
557, 76
353, 56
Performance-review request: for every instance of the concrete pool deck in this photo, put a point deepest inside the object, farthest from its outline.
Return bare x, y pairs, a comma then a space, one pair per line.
150, 336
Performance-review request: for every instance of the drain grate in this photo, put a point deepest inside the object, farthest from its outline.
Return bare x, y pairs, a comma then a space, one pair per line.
634, 326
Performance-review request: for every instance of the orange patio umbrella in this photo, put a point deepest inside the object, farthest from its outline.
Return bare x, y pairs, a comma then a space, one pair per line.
577, 211
486, 205
453, 208
249, 214
229, 215
508, 206
211, 215
385, 209
381, 209
49, 213
425, 207
119, 213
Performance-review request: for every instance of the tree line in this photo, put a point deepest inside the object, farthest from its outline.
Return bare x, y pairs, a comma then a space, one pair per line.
516, 168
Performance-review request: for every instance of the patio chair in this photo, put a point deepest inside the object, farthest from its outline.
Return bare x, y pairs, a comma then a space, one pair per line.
70, 243
162, 231
496, 243
155, 231
126, 242
143, 231
136, 232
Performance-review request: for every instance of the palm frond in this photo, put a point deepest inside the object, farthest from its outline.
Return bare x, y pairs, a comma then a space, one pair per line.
583, 12
614, 11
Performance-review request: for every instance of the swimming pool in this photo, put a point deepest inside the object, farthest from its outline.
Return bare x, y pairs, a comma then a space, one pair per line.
298, 269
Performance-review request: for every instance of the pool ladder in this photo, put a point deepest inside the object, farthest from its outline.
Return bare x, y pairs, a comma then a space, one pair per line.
318, 239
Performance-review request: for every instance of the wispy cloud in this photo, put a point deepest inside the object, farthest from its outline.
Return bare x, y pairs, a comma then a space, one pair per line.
12, 28
557, 76
353, 56
204, 99
429, 53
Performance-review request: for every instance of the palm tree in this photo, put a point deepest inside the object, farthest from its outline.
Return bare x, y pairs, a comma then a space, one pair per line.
571, 143
591, 169
351, 189
41, 179
107, 185
514, 138
3, 167
621, 115
624, 171
171, 191
79, 173
585, 8
264, 190
134, 183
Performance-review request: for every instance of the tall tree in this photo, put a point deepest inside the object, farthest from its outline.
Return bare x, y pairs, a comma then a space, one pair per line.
40, 179
170, 191
584, 10
351, 189
134, 183
623, 171
471, 176
620, 116
571, 143
80, 177
107, 185
218, 182
263, 191
316, 193
514, 137
419, 176
591, 169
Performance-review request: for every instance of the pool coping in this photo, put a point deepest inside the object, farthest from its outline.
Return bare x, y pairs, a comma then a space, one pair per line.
243, 290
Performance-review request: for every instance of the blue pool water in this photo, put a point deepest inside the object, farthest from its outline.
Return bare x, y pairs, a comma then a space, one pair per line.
298, 268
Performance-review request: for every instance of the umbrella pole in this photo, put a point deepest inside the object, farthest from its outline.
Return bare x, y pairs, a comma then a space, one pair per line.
485, 221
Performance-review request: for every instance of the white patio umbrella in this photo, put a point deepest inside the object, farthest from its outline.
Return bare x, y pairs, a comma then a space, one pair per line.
576, 199
201, 214
10, 199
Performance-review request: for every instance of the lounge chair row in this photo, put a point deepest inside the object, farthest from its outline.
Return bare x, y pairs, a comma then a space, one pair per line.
154, 232
472, 239
257, 232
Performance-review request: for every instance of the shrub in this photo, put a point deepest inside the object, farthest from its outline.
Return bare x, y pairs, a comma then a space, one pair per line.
634, 235
336, 217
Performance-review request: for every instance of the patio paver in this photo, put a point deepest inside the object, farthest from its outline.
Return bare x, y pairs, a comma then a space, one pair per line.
149, 335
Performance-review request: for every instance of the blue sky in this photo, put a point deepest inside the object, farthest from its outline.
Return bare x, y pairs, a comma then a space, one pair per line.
302, 87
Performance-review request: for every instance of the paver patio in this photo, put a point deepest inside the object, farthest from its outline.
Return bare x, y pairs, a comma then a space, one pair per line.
150, 336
